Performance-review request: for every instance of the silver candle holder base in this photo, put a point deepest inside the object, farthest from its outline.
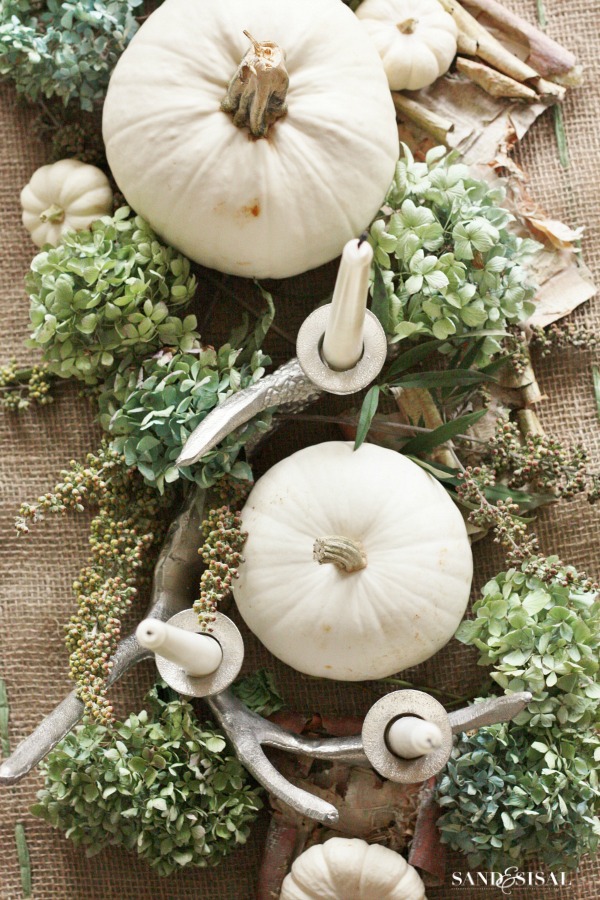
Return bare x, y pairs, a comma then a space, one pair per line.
226, 633
366, 370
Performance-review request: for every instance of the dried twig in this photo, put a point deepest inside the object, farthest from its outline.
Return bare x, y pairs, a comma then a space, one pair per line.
494, 83
488, 47
545, 55
424, 118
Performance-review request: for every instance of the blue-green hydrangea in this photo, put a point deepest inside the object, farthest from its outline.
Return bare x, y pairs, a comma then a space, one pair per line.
64, 49
153, 408
446, 260
106, 293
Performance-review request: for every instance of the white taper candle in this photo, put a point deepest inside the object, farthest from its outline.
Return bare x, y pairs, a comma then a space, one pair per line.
196, 654
343, 340
410, 737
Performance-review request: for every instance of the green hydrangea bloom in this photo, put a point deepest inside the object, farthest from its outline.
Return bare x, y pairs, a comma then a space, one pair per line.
160, 783
152, 410
107, 293
446, 262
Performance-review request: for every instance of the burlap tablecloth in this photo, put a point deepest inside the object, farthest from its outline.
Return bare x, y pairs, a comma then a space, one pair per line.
36, 573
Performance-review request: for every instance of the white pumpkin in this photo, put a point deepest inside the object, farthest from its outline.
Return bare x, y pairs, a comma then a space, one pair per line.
357, 563
351, 869
416, 40
267, 207
67, 195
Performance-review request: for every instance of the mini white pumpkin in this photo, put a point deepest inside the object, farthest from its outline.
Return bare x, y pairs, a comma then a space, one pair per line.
269, 206
351, 869
357, 563
67, 195
416, 40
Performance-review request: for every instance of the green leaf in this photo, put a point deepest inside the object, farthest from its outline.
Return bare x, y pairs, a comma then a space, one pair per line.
368, 410
409, 358
422, 443
380, 305
444, 378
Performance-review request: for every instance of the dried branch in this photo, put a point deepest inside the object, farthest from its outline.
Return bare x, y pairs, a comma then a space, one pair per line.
494, 83
435, 125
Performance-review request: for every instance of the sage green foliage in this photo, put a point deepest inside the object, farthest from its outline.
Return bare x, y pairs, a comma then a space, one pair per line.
510, 793
161, 784
530, 788
107, 293
259, 692
446, 262
544, 638
64, 49
153, 408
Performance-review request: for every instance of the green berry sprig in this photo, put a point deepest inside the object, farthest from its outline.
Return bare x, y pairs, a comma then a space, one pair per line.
19, 388
125, 535
222, 549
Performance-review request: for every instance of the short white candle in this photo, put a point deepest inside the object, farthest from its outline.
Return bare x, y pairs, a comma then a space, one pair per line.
410, 737
343, 340
196, 654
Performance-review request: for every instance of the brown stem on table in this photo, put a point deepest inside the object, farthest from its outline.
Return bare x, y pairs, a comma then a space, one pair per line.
529, 424
493, 82
545, 55
435, 125
488, 47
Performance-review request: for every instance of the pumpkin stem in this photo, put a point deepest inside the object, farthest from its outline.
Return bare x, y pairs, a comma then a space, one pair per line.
54, 214
408, 26
256, 93
342, 551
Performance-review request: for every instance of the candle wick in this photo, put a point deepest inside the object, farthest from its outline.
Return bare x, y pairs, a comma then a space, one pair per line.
363, 238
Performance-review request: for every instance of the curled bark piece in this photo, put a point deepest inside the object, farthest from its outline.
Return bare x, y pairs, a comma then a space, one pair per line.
493, 82
529, 424
437, 126
545, 55
427, 852
488, 47
278, 855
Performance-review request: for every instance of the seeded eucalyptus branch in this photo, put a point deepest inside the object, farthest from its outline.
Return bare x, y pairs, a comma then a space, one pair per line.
125, 535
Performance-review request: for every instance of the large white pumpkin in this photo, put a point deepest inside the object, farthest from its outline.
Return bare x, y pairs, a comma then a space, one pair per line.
397, 610
268, 207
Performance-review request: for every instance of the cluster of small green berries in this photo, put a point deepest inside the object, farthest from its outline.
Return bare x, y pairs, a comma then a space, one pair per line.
222, 549
560, 335
125, 535
514, 346
539, 462
502, 517
19, 388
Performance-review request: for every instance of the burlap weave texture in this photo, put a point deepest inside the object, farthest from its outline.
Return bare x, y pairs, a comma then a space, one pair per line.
36, 573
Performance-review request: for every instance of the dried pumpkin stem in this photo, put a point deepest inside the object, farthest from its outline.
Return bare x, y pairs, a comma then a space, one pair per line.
54, 214
408, 26
256, 93
342, 551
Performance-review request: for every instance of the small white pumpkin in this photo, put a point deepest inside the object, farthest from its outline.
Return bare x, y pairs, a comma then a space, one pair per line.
263, 206
351, 869
357, 563
416, 40
67, 195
